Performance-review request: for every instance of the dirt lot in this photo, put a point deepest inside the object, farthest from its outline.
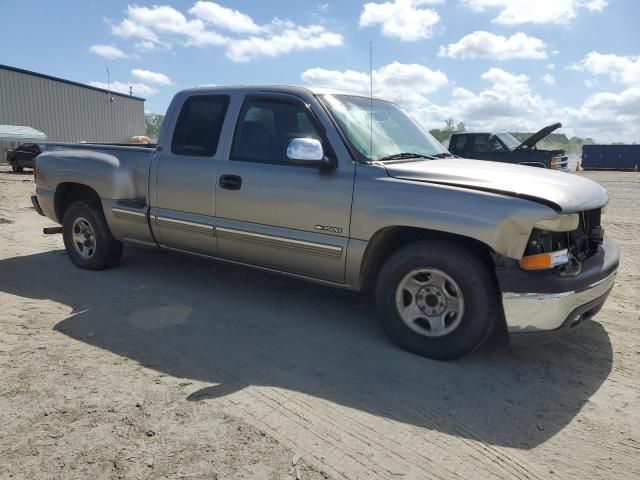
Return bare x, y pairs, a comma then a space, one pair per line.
174, 367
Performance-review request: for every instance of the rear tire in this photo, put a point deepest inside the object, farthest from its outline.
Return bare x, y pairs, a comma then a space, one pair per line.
87, 238
15, 167
437, 300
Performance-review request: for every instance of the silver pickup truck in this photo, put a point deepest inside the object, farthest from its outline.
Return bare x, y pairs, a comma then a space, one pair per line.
347, 191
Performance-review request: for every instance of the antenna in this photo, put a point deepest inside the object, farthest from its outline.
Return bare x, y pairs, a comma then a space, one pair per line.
108, 86
371, 99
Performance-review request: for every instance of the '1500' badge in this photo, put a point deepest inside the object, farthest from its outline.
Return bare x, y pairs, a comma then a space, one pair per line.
328, 228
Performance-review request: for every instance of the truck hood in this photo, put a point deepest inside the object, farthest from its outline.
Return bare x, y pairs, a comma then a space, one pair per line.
561, 191
539, 135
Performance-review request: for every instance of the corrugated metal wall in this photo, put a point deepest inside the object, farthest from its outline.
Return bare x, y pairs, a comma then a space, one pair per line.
66, 112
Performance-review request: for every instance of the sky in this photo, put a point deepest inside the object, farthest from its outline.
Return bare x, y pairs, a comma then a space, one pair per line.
513, 65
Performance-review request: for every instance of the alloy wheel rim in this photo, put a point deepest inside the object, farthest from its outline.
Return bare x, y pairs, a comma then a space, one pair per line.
430, 302
83, 237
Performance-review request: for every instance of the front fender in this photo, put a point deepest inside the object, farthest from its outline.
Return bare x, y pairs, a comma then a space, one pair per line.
501, 222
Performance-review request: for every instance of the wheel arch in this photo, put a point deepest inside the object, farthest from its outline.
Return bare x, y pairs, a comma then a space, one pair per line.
67, 193
388, 240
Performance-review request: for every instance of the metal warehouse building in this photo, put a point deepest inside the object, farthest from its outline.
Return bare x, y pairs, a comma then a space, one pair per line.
67, 111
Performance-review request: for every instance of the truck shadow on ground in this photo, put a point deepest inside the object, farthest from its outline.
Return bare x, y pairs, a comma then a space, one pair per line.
233, 327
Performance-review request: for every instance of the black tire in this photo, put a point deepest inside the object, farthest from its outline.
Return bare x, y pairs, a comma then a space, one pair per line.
475, 281
15, 167
107, 251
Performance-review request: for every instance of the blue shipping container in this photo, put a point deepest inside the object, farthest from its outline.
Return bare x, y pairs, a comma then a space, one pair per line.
610, 157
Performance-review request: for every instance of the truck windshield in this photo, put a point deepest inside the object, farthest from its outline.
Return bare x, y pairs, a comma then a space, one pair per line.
381, 131
509, 140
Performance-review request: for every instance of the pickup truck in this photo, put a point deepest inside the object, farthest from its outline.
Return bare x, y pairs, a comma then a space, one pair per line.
503, 147
23, 156
347, 191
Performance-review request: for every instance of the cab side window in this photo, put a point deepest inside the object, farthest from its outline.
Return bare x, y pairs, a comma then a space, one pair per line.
460, 143
199, 124
481, 144
265, 127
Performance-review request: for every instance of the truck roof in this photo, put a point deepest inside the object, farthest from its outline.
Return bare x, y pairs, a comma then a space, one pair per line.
276, 88
471, 133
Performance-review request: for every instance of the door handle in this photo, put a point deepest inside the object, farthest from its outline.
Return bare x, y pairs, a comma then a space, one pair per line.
230, 182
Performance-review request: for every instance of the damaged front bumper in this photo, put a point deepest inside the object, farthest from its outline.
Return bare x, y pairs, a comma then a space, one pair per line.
540, 305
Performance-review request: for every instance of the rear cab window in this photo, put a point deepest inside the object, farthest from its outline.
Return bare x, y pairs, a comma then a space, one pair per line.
197, 130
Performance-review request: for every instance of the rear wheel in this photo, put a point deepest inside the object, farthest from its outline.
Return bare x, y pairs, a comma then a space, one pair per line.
436, 300
15, 167
87, 238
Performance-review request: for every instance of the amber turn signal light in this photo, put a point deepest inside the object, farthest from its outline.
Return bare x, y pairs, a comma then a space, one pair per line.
544, 261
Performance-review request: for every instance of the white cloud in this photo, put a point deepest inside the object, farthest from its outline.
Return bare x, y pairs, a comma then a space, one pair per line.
223, 17
395, 81
607, 116
120, 87
517, 12
145, 45
551, 66
482, 44
506, 103
160, 25
291, 37
147, 23
510, 104
110, 52
406, 84
621, 69
151, 77
549, 79
351, 80
402, 19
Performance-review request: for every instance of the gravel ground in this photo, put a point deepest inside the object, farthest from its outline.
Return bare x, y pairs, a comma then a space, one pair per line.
170, 366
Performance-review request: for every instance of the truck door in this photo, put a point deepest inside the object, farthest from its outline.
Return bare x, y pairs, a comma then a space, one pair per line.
274, 214
459, 144
488, 147
185, 169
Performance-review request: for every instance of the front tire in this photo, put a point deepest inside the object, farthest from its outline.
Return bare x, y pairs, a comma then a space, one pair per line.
87, 238
437, 300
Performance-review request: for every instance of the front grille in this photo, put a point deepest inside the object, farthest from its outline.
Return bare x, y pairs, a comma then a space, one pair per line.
560, 162
585, 240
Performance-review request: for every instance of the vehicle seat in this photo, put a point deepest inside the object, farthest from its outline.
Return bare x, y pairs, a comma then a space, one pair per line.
255, 142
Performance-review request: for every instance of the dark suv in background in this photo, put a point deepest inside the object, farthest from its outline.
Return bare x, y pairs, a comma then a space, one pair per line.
23, 156
504, 147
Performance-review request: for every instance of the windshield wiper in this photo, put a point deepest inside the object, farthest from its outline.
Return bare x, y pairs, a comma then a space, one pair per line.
400, 156
444, 155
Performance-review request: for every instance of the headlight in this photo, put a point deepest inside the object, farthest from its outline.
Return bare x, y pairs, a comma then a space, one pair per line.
562, 223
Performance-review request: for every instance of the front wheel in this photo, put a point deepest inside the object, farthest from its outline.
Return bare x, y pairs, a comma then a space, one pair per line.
436, 300
87, 238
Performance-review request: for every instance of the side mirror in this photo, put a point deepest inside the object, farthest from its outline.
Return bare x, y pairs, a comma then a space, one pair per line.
307, 151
